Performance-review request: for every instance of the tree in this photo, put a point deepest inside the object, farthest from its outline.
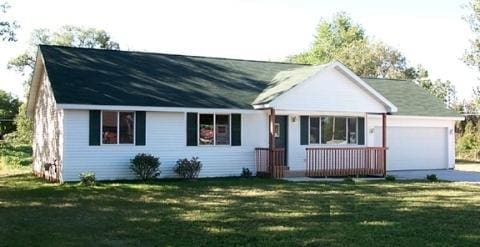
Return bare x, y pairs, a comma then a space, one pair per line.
476, 98
24, 130
8, 110
343, 40
472, 54
7, 28
442, 89
65, 36
25, 62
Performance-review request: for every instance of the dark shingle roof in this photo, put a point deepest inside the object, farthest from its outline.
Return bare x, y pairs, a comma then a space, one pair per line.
105, 77
410, 99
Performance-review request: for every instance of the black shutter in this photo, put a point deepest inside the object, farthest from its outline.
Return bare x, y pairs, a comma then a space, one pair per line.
303, 130
192, 129
94, 128
361, 131
236, 130
140, 128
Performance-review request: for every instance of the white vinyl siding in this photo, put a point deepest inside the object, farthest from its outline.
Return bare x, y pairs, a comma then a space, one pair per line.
328, 91
165, 138
48, 129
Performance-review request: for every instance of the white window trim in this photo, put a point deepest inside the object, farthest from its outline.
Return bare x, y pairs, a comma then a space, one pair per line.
118, 129
346, 137
215, 130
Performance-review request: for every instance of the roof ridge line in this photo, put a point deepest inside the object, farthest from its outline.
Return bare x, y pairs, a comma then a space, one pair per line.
178, 55
386, 79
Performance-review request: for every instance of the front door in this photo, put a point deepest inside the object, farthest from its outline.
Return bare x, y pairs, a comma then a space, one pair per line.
280, 134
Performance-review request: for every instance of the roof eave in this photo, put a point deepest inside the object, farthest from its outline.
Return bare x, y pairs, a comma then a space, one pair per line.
38, 71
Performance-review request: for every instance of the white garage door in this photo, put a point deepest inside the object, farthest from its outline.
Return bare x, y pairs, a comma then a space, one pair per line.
415, 148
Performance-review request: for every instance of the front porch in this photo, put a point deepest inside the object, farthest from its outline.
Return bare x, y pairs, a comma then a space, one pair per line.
324, 162
320, 160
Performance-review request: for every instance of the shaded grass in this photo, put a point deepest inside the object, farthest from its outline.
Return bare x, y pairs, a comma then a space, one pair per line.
14, 159
228, 212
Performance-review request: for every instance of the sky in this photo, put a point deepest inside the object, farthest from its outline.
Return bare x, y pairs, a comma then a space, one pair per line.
428, 32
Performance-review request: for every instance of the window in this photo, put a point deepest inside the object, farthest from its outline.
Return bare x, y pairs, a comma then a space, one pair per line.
222, 129
339, 131
214, 129
352, 130
314, 130
332, 130
276, 130
126, 127
109, 127
206, 129
118, 127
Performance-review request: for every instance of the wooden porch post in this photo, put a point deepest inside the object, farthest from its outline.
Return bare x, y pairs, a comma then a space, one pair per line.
271, 142
271, 129
384, 142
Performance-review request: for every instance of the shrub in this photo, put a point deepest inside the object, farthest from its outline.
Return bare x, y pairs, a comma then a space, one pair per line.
246, 173
390, 178
432, 177
468, 144
15, 155
188, 168
87, 178
145, 166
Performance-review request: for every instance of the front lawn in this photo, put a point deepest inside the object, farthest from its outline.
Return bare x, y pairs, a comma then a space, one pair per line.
227, 212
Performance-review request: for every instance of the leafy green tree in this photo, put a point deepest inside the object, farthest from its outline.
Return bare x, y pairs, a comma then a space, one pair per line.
442, 89
24, 130
8, 110
343, 40
65, 36
472, 54
24, 63
7, 28
476, 98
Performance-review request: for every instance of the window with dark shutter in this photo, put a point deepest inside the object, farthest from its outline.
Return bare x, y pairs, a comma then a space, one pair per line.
303, 130
192, 129
236, 129
94, 128
361, 130
140, 128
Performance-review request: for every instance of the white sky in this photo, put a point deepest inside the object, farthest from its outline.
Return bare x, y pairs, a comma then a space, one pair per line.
428, 32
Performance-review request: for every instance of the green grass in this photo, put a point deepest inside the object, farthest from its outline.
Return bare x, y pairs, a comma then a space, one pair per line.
14, 158
229, 212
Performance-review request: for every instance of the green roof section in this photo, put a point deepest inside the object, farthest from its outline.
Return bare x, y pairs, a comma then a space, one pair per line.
108, 77
286, 80
410, 99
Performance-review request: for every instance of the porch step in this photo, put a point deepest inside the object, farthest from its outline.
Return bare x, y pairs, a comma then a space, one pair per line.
292, 174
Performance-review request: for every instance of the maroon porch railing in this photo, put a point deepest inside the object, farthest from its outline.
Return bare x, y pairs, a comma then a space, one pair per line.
270, 162
322, 162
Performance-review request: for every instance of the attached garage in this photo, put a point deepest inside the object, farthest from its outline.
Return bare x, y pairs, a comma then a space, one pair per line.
415, 148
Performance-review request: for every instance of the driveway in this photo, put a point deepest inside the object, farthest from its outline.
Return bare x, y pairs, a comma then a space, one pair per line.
449, 175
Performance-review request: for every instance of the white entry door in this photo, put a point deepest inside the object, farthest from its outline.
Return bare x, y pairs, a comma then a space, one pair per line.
415, 148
